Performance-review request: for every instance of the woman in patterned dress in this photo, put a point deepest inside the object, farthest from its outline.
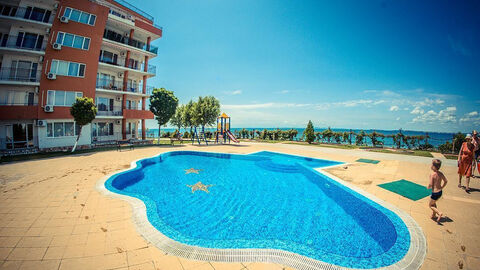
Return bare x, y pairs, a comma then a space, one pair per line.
465, 159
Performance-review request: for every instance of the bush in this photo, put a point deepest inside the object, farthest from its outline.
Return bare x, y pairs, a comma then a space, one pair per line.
446, 147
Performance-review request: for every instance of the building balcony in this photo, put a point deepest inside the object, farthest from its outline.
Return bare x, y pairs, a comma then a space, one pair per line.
118, 64
114, 112
122, 40
116, 87
27, 14
34, 44
20, 76
18, 111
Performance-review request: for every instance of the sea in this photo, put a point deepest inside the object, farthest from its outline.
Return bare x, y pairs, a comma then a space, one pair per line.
436, 138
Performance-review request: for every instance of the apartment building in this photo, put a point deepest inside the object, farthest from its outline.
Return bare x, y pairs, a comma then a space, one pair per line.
54, 51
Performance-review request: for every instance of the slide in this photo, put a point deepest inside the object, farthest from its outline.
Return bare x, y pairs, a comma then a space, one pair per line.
232, 137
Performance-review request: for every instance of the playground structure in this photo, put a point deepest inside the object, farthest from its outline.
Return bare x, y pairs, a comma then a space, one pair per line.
222, 135
223, 132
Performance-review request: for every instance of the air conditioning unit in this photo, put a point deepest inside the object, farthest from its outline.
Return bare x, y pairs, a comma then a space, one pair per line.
64, 19
57, 46
41, 123
55, 6
118, 98
48, 30
130, 17
41, 59
120, 74
48, 108
127, 34
36, 89
51, 76
118, 122
123, 53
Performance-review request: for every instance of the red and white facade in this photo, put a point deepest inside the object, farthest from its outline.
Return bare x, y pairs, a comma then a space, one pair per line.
54, 51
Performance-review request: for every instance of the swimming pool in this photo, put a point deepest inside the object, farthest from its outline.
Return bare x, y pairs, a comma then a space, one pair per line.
263, 201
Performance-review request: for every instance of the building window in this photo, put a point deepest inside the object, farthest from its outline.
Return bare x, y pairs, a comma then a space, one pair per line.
62, 98
74, 41
108, 57
62, 129
79, 16
27, 40
102, 129
66, 68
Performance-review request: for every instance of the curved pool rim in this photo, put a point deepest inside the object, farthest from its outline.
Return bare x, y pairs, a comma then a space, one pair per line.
413, 259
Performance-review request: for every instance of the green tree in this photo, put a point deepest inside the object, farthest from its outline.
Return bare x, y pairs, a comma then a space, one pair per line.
176, 119
205, 111
446, 147
187, 117
309, 132
83, 111
458, 139
375, 138
360, 137
338, 137
345, 136
163, 104
327, 134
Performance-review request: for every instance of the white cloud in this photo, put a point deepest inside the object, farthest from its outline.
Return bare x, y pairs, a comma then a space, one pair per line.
284, 92
394, 108
234, 92
447, 115
417, 110
471, 117
398, 118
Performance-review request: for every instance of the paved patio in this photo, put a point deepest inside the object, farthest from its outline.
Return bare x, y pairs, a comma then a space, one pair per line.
52, 217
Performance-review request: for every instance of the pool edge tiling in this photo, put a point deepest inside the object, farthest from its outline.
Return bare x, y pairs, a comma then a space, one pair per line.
413, 259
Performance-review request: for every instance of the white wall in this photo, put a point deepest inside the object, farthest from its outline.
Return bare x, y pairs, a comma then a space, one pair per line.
48, 142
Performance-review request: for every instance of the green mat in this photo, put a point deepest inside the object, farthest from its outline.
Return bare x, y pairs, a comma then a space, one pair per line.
364, 160
407, 189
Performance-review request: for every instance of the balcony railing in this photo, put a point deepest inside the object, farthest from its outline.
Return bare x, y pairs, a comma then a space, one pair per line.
26, 103
113, 36
104, 110
20, 74
137, 10
120, 62
107, 84
25, 42
117, 85
27, 13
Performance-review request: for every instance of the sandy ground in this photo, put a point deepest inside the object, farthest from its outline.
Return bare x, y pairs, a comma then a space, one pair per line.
52, 217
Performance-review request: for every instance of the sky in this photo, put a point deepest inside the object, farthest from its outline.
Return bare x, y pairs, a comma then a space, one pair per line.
371, 64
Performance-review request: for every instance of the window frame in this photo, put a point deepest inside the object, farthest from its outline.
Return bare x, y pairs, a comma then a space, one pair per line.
73, 40
51, 126
57, 62
90, 21
76, 94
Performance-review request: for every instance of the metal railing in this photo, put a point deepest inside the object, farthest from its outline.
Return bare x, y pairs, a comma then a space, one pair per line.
117, 85
108, 84
120, 62
26, 103
20, 74
34, 43
18, 144
113, 36
27, 13
137, 10
105, 110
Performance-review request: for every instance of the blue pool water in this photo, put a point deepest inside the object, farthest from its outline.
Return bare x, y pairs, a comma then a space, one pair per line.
264, 200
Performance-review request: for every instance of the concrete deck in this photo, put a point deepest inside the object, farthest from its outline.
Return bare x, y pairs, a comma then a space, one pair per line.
52, 217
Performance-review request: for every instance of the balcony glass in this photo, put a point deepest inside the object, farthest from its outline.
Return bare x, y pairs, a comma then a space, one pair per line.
28, 13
